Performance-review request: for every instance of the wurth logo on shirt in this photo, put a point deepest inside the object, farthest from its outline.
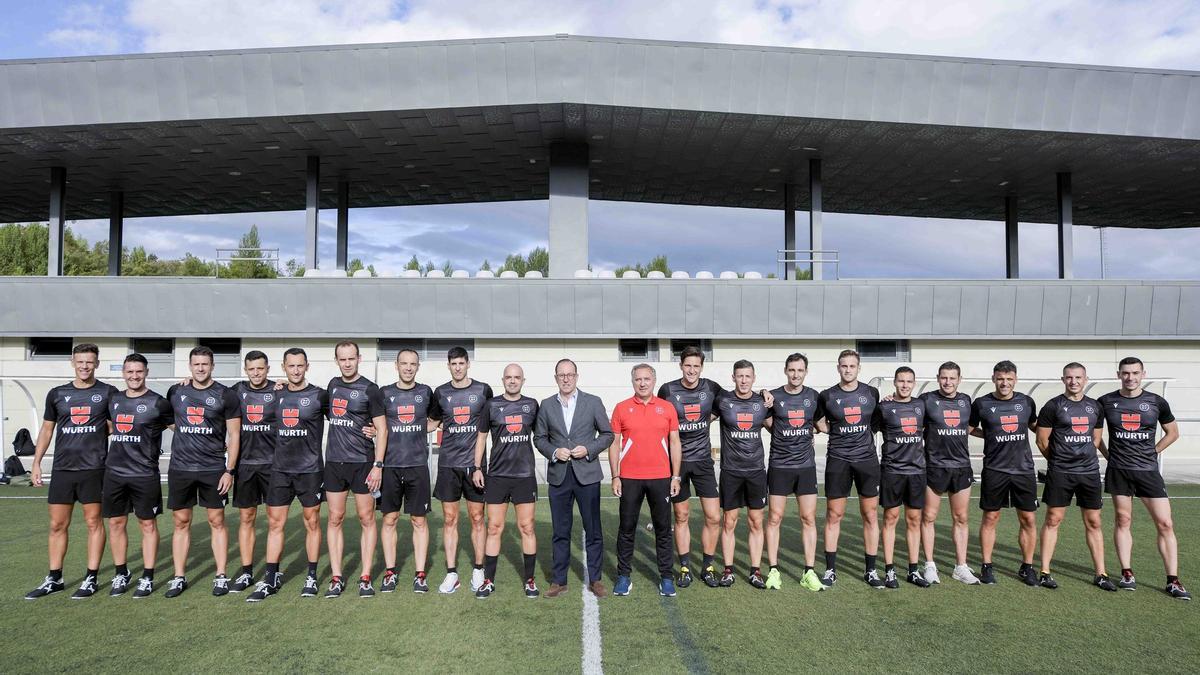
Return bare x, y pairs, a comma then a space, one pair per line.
908, 425
80, 414
852, 415
745, 421
1009, 423
339, 406
1080, 425
461, 414
796, 418
952, 418
691, 411
195, 415
513, 423
1131, 421
291, 417
124, 423
406, 413
254, 413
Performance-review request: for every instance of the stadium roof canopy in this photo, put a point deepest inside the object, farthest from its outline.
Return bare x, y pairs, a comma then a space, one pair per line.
668, 122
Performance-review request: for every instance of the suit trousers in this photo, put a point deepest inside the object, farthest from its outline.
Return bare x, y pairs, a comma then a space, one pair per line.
588, 498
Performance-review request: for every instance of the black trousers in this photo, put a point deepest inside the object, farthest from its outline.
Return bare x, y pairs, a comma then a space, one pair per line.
562, 496
657, 492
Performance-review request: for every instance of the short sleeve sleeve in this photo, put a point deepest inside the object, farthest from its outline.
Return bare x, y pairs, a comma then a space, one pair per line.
231, 405
375, 404
1045, 416
50, 414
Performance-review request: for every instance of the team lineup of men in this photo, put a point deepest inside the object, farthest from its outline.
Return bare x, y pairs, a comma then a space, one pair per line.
261, 440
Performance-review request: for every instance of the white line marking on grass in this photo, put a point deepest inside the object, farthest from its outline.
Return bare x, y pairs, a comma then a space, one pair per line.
590, 624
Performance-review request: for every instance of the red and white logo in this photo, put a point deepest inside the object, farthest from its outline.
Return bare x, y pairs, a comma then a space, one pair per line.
951, 417
462, 413
1009, 423
339, 406
513, 423
124, 423
1080, 425
745, 421
691, 411
796, 418
195, 415
254, 413
852, 415
406, 413
908, 425
1131, 421
80, 414
291, 417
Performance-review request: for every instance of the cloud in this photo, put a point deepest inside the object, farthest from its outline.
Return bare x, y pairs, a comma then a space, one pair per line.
87, 28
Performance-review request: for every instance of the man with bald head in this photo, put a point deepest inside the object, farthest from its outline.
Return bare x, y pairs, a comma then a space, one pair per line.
509, 419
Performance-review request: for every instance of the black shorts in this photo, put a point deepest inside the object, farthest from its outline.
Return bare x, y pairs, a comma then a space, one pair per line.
515, 489
1130, 483
251, 485
784, 482
907, 489
68, 487
738, 491
347, 477
454, 483
141, 496
699, 475
1085, 487
999, 490
185, 489
949, 480
405, 488
284, 487
840, 474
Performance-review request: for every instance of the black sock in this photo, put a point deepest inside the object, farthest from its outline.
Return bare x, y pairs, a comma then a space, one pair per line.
420, 574
683, 559
774, 567
1026, 566
986, 565
390, 570
754, 570
708, 559
312, 568
122, 570
1126, 571
808, 568
912, 567
248, 569
451, 570
1172, 579
530, 564
478, 567
831, 560
93, 573
869, 561
729, 569
489, 567
55, 574
272, 570
889, 567
148, 573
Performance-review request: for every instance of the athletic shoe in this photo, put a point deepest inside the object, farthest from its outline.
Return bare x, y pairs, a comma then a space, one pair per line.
1127, 582
931, 573
120, 584
987, 576
49, 585
685, 576
310, 589
709, 577
242, 582
727, 579
1177, 591
774, 579
917, 579
623, 585
336, 586
144, 588
86, 589
531, 589
756, 579
811, 581
1104, 583
666, 588
389, 582
964, 574
889, 579
175, 587
365, 589
1028, 575
421, 584
1047, 581
220, 585
872, 579
450, 583
829, 578
477, 578
262, 591
485, 589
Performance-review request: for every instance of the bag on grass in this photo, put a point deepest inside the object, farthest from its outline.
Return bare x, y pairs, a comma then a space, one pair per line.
13, 467
23, 444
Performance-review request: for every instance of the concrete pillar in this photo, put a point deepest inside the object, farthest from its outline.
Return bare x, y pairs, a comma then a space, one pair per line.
58, 219
116, 226
815, 214
789, 230
311, 211
568, 209
1066, 242
343, 224
1012, 261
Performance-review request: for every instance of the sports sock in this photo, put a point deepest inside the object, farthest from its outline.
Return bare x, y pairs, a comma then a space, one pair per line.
272, 570
489, 567
55, 574
808, 568
774, 567
390, 570
122, 570
247, 569
1126, 570
148, 573
420, 573
869, 561
831, 560
683, 559
93, 573
312, 568
729, 569
755, 570
451, 570
708, 560
889, 567
1172, 579
478, 567
530, 564
912, 567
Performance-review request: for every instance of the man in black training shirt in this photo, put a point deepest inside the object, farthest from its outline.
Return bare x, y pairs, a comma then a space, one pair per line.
207, 422
1133, 416
901, 421
460, 402
844, 412
406, 467
743, 413
1069, 430
257, 400
508, 419
296, 472
1003, 420
136, 418
74, 418
353, 463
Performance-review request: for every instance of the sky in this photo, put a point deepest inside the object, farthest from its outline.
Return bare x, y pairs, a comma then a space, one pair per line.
1161, 34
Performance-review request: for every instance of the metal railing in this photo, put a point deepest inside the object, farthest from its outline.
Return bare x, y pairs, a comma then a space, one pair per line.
227, 256
809, 257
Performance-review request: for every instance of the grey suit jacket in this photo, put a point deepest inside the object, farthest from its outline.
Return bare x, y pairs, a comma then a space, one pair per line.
589, 427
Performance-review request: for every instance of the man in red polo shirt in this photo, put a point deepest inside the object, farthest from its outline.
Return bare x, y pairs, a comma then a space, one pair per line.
644, 459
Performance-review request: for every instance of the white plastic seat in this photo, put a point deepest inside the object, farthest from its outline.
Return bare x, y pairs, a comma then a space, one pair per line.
508, 274
412, 274
729, 275
485, 274
435, 274
655, 274
606, 274
583, 274
313, 273
534, 274
680, 274
753, 275
631, 274
704, 274
460, 274
362, 274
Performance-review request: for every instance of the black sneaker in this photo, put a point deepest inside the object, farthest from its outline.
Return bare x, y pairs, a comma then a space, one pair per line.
48, 586
175, 587
531, 589
262, 591
242, 582
220, 585
756, 579
486, 589
120, 584
917, 579
1047, 581
987, 575
829, 578
727, 579
1028, 575
144, 588
420, 584
709, 577
336, 586
890, 580
685, 576
365, 589
86, 589
389, 583
1127, 582
1177, 591
1104, 583
310, 588
872, 579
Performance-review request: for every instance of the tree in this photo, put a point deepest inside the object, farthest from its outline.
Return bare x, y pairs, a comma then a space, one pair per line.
448, 268
293, 268
356, 265
23, 249
413, 264
486, 265
250, 247
657, 264
538, 259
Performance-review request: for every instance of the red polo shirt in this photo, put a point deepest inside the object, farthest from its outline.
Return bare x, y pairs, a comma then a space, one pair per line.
645, 430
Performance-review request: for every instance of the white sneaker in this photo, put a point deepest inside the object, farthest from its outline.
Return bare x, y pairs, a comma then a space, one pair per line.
931, 573
964, 574
450, 583
476, 579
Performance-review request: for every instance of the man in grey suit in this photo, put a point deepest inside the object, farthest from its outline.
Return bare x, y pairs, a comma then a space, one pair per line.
572, 429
